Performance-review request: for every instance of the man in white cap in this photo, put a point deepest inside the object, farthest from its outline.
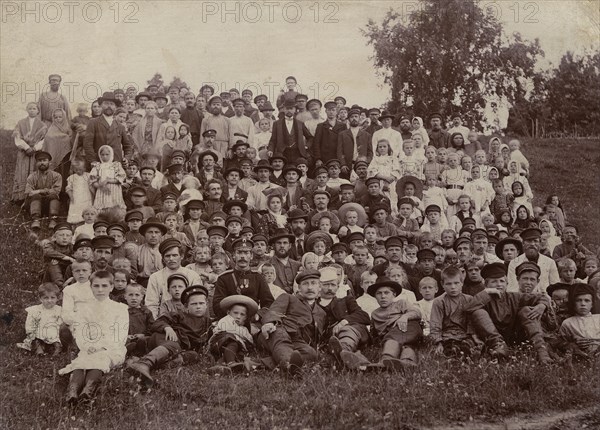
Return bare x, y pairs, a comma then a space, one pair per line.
346, 321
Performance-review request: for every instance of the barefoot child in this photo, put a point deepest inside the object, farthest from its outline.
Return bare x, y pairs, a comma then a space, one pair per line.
43, 322
102, 349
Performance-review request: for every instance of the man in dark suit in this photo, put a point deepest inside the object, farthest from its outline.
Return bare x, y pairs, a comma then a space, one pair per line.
298, 220
232, 190
290, 136
353, 144
374, 118
104, 130
175, 177
286, 269
326, 136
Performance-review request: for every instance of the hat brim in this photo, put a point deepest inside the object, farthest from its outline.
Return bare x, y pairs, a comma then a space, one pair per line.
401, 183
117, 102
505, 241
231, 203
163, 228
275, 238
263, 166
335, 220
234, 169
292, 169
362, 215
318, 235
391, 284
239, 299
205, 153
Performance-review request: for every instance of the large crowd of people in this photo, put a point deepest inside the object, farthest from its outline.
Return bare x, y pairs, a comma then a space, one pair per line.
185, 225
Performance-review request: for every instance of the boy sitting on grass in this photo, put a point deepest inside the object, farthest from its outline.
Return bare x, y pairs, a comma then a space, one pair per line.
176, 285
448, 317
396, 324
43, 322
176, 332
140, 317
428, 288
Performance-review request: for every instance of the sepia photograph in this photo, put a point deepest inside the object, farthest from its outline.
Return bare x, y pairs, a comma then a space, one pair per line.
300, 214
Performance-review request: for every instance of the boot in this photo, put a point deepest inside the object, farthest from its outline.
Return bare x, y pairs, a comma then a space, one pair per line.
35, 224
57, 349
35, 209
154, 358
499, 351
336, 347
294, 366
37, 347
75, 384
354, 360
92, 380
389, 355
52, 223
408, 357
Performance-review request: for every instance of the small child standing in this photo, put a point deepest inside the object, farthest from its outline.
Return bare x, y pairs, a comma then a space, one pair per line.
454, 179
411, 164
432, 168
433, 194
428, 288
262, 138
79, 191
88, 215
502, 199
396, 324
231, 337
43, 322
385, 167
106, 177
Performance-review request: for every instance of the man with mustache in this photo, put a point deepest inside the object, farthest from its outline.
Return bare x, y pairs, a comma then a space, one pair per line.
42, 188
298, 219
241, 280
220, 124
103, 253
104, 130
51, 100
353, 144
290, 136
286, 269
531, 247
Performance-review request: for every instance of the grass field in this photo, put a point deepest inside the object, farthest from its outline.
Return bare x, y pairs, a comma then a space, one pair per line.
441, 393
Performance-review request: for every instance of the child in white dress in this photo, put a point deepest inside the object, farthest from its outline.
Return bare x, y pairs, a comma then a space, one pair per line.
43, 322
79, 191
107, 177
385, 167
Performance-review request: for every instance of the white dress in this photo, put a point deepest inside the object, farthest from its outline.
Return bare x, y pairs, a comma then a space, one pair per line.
42, 324
82, 196
102, 325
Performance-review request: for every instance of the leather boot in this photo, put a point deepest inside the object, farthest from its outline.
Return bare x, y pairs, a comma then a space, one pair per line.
390, 354
336, 347
35, 209
92, 380
154, 358
76, 382
37, 347
354, 360
533, 329
408, 357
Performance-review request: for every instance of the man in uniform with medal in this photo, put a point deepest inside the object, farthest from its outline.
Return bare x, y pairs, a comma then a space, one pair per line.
241, 280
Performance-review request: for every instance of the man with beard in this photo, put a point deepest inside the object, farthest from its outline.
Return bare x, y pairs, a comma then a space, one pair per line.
241, 280
104, 130
405, 128
257, 115
321, 200
103, 253
464, 250
298, 219
326, 136
192, 117
353, 145
51, 100
42, 189
149, 257
572, 248
286, 268
157, 291
438, 137
387, 132
394, 253
218, 122
531, 247
290, 136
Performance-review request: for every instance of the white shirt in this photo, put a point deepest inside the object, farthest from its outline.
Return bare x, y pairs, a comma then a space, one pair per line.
109, 119
74, 296
354, 131
289, 123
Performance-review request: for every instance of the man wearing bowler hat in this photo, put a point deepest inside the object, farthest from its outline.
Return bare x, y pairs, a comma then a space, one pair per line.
42, 189
500, 317
157, 290
353, 144
241, 280
531, 246
104, 130
286, 268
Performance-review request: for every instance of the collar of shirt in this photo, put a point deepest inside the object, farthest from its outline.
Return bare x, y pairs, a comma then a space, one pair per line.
108, 119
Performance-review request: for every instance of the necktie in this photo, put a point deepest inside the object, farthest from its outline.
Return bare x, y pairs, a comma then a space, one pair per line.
299, 247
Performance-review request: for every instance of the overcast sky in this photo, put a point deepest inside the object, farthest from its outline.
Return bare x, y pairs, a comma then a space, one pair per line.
254, 45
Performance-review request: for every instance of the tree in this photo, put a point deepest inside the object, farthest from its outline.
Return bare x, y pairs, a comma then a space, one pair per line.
574, 92
449, 56
178, 83
157, 79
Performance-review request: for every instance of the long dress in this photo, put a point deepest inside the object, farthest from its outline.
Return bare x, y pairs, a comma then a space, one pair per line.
103, 326
58, 143
79, 185
110, 195
26, 135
